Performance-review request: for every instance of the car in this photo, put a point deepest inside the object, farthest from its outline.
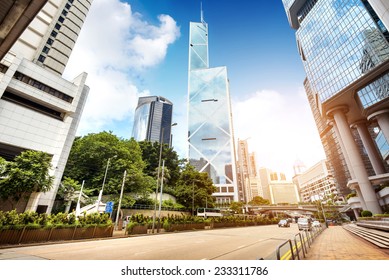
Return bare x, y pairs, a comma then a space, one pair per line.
316, 224
304, 224
283, 223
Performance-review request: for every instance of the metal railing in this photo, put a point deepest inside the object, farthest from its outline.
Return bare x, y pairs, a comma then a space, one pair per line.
300, 244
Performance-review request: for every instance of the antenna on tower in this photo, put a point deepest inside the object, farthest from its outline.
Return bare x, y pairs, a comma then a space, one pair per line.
202, 13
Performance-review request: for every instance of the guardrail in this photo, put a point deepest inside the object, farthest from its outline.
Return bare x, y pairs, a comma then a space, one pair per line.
301, 244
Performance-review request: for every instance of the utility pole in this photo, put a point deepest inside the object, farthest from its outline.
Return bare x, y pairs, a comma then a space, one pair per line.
120, 200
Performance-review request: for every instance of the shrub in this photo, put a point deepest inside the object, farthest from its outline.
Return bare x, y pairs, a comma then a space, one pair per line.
366, 213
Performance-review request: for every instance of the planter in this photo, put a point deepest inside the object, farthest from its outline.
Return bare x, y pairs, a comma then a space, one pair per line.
58, 234
84, 233
10, 236
138, 229
35, 235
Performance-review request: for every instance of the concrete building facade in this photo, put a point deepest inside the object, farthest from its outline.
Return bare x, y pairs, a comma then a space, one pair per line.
317, 183
248, 181
276, 188
40, 110
348, 75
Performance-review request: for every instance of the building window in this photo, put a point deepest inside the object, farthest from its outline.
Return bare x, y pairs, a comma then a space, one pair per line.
57, 26
41, 58
45, 49
50, 41
54, 33
64, 12
30, 81
67, 6
3, 68
61, 19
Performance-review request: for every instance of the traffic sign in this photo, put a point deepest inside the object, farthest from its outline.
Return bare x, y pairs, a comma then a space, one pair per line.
109, 207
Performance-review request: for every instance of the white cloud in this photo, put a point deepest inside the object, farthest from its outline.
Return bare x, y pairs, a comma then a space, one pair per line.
280, 129
114, 47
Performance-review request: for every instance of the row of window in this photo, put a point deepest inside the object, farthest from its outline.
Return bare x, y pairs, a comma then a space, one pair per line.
375, 91
334, 41
32, 82
54, 33
9, 96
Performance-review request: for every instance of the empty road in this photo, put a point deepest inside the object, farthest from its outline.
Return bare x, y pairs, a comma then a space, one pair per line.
244, 243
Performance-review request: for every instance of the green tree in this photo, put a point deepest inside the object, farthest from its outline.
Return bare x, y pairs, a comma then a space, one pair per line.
150, 155
89, 158
195, 189
259, 200
237, 207
28, 173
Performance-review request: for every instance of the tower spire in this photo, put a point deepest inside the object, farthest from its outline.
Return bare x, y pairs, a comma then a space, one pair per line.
201, 12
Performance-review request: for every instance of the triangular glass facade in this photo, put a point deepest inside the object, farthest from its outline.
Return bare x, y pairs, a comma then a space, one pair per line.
210, 133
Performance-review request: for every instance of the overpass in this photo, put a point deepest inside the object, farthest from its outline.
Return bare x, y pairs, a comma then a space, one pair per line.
298, 209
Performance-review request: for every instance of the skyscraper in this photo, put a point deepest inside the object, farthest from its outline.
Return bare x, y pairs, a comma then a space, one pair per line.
344, 47
153, 119
210, 131
248, 181
40, 110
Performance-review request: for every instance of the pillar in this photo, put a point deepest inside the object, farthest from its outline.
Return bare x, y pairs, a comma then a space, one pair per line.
370, 146
344, 151
356, 161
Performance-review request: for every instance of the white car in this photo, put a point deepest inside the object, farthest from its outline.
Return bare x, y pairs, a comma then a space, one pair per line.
316, 224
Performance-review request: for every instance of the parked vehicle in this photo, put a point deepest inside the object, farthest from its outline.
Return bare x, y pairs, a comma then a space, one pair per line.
304, 224
316, 224
283, 223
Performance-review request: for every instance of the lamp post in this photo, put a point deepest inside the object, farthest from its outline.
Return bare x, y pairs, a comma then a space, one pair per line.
120, 200
102, 188
159, 167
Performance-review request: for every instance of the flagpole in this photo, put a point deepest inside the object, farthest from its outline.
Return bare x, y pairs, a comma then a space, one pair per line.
78, 207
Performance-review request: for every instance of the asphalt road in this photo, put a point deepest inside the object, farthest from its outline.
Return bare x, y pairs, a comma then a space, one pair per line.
245, 243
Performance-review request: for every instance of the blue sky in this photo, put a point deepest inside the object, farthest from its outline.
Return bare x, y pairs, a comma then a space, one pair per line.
140, 47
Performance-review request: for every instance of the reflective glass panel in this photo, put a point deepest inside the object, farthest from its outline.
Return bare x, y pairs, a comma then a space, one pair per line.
340, 43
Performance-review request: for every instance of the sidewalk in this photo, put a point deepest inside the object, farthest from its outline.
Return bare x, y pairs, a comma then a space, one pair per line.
336, 243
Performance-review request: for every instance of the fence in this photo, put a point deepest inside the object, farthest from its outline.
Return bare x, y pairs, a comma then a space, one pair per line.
300, 244
36, 235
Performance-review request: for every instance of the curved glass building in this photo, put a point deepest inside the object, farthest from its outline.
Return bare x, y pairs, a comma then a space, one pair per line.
153, 119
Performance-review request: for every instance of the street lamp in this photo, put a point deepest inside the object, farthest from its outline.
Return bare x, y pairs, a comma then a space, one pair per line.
159, 167
102, 188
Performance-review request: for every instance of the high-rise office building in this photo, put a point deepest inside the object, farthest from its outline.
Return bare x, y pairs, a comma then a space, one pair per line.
344, 47
316, 183
276, 188
15, 16
210, 131
248, 181
40, 110
153, 119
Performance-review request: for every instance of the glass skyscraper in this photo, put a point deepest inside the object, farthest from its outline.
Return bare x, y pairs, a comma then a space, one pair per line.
210, 131
153, 119
344, 47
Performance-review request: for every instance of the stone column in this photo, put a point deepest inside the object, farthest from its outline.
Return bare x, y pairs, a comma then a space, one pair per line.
370, 146
382, 118
344, 151
356, 161
360, 196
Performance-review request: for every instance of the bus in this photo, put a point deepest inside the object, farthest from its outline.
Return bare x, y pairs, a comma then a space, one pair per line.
208, 212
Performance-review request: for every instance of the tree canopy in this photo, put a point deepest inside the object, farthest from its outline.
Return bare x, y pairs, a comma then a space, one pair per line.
259, 200
92, 154
195, 189
28, 173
